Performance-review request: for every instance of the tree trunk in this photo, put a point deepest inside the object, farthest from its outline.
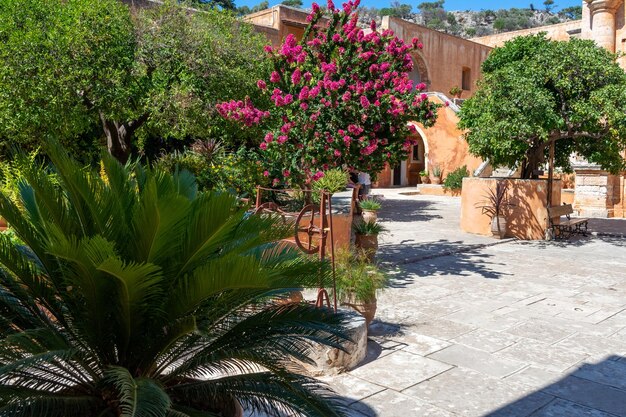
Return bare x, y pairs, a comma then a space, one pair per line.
119, 136
534, 157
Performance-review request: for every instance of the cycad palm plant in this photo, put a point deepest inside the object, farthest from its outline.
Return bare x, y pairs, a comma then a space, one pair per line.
135, 295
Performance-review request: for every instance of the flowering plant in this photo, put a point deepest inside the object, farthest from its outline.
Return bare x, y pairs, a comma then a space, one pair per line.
341, 97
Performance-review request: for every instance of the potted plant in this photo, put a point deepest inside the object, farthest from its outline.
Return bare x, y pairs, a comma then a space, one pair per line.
424, 176
456, 92
369, 209
495, 205
367, 237
357, 281
436, 175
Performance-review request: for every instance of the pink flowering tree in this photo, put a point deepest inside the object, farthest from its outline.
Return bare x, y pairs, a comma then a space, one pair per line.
340, 97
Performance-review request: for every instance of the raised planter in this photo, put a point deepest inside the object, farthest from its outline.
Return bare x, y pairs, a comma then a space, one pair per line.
332, 361
527, 220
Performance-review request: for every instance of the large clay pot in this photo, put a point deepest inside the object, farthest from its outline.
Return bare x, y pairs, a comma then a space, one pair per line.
435, 180
369, 216
3, 224
424, 180
366, 309
498, 233
369, 245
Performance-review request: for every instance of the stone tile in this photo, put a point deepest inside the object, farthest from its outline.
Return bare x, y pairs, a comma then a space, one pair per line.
478, 360
400, 370
535, 377
487, 340
351, 387
419, 344
564, 408
390, 403
470, 394
608, 372
593, 345
538, 331
590, 394
484, 319
441, 329
545, 356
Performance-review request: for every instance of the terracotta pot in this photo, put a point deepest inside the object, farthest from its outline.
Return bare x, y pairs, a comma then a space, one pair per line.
293, 297
424, 180
369, 245
498, 233
366, 309
435, 180
3, 224
369, 216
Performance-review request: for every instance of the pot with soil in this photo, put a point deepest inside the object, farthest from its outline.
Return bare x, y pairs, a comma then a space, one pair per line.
366, 238
369, 209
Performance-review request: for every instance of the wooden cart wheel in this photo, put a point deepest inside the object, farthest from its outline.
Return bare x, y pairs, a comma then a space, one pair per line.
308, 235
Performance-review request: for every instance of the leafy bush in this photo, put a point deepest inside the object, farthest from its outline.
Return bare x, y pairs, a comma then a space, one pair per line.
368, 228
333, 181
370, 204
137, 295
437, 171
356, 277
454, 180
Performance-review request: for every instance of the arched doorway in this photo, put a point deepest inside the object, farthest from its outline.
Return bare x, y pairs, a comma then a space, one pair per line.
406, 173
419, 73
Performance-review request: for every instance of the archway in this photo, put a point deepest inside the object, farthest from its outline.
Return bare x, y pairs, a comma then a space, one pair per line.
419, 73
407, 172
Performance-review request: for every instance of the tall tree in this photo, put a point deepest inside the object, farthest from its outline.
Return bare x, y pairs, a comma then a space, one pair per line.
536, 92
67, 65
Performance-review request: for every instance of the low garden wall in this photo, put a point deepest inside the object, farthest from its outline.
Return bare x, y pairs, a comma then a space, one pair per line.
528, 218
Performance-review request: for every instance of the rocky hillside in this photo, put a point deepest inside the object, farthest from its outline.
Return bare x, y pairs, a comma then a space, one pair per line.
470, 24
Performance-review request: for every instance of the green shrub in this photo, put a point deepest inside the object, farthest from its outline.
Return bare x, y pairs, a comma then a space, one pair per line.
356, 277
333, 181
454, 180
368, 228
370, 204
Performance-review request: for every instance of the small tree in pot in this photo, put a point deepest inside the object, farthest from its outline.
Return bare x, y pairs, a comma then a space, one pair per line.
495, 205
367, 237
357, 282
370, 208
436, 174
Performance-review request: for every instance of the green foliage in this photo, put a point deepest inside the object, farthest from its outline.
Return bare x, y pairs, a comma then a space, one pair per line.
397, 9
549, 5
572, 13
536, 91
333, 181
357, 279
455, 90
436, 171
496, 202
368, 228
433, 14
72, 68
133, 288
470, 32
237, 172
292, 3
454, 180
423, 173
370, 204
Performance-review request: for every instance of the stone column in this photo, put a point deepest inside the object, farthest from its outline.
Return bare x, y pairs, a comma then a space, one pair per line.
595, 192
603, 22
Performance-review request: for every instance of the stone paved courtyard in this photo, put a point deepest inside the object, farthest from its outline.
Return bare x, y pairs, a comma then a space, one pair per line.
475, 327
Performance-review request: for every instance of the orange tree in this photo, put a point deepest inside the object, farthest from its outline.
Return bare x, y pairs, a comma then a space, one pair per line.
340, 97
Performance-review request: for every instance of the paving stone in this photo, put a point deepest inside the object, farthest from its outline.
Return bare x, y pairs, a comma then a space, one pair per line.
471, 394
418, 343
593, 345
390, 403
608, 372
487, 340
563, 408
590, 394
400, 370
478, 360
351, 387
535, 377
483, 319
538, 331
542, 354
441, 329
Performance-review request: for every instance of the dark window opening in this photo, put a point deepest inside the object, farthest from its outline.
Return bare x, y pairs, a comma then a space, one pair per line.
466, 79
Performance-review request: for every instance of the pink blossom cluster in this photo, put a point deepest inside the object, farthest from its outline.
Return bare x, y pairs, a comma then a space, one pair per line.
241, 111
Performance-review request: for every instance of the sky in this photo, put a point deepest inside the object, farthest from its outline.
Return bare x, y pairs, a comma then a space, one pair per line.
449, 4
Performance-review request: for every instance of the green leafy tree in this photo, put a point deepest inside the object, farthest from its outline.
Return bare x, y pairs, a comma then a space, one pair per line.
135, 295
292, 3
433, 14
549, 5
573, 13
68, 66
536, 92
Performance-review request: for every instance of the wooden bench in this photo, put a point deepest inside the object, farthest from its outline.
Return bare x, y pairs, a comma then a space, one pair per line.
564, 229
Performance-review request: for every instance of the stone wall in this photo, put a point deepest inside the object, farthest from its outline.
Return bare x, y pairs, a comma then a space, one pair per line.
599, 194
558, 32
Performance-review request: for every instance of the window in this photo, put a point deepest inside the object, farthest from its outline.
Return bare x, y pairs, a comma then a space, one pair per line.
466, 79
416, 154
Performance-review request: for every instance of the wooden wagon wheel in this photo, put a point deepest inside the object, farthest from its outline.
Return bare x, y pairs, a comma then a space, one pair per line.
307, 230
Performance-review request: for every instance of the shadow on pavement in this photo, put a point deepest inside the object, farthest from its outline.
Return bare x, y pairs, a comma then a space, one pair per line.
441, 257
408, 211
592, 390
